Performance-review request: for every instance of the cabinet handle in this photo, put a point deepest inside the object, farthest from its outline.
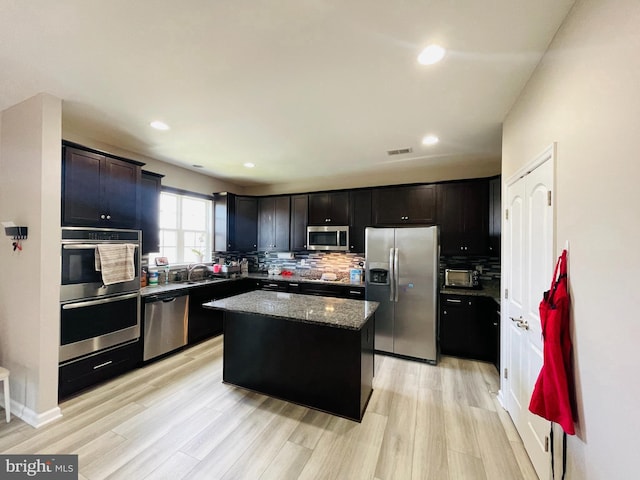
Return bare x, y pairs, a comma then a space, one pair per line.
444, 312
355, 292
102, 217
108, 217
103, 365
453, 300
327, 219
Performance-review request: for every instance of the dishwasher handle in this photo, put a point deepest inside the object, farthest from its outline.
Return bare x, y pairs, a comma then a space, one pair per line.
163, 298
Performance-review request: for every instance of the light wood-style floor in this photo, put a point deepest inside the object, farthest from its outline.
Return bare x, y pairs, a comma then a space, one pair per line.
174, 419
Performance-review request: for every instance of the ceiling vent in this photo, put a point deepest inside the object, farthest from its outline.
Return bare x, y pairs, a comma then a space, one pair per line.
399, 151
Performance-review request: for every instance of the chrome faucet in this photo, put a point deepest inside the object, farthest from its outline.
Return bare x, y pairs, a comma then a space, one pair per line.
192, 268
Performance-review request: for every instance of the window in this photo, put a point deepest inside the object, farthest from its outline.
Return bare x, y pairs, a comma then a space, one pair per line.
185, 228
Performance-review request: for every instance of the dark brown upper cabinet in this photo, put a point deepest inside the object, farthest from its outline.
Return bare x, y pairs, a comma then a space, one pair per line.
299, 215
329, 208
404, 205
273, 223
99, 191
150, 186
495, 216
463, 217
359, 218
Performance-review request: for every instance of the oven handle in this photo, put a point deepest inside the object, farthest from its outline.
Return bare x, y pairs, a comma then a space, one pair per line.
86, 246
101, 301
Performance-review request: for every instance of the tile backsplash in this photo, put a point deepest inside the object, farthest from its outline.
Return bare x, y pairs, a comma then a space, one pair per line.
330, 262
336, 262
489, 267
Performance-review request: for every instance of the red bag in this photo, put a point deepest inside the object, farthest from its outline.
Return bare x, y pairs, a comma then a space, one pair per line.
553, 392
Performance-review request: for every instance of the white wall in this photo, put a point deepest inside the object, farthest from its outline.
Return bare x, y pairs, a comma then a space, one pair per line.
29, 290
585, 95
395, 173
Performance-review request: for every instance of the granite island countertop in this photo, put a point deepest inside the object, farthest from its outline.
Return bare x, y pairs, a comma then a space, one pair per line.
330, 311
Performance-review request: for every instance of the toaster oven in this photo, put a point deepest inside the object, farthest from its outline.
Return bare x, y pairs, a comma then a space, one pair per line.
461, 278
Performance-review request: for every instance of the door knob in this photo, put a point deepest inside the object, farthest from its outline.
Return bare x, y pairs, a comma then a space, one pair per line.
520, 322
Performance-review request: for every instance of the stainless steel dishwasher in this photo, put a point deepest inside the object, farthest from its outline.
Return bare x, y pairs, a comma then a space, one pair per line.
165, 323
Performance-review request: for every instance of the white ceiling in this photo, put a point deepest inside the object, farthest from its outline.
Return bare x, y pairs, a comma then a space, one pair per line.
298, 87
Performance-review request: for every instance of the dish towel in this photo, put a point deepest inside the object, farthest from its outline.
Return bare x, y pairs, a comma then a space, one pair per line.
115, 262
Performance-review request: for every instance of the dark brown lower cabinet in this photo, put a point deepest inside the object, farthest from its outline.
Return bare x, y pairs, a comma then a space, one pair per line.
468, 327
323, 367
77, 375
206, 323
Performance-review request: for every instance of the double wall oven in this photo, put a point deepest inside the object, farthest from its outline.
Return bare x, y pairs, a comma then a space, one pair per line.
95, 317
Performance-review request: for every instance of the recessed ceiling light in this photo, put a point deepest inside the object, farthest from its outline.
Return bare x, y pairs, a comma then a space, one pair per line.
430, 140
249, 165
158, 125
430, 55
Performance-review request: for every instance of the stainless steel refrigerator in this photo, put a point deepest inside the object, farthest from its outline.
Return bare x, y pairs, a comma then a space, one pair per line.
401, 272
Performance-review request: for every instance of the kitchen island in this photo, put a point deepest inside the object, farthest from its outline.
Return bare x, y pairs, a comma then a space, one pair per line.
315, 351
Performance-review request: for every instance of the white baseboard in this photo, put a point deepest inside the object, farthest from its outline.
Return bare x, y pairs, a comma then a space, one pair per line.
34, 419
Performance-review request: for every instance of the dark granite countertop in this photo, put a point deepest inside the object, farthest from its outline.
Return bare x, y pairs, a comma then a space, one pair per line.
334, 312
489, 289
176, 286
301, 278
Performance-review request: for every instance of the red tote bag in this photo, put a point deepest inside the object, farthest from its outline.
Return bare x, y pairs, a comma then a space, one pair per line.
552, 394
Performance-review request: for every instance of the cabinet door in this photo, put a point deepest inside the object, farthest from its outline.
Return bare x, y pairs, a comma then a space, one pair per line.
246, 224
266, 223
319, 208
454, 338
476, 218
360, 218
463, 215
495, 216
451, 218
121, 193
460, 331
273, 223
150, 184
203, 323
420, 204
282, 223
329, 208
299, 209
404, 205
81, 188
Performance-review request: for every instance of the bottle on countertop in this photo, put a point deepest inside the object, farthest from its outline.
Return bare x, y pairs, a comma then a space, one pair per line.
244, 266
153, 277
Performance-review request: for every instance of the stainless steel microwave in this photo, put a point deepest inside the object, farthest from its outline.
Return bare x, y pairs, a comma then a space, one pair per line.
334, 238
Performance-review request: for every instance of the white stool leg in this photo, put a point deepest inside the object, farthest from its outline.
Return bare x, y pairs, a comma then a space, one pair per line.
7, 399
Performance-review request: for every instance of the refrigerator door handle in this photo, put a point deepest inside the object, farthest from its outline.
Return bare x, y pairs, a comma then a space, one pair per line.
396, 276
391, 275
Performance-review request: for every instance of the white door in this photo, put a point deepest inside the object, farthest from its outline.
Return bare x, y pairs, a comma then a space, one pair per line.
529, 260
